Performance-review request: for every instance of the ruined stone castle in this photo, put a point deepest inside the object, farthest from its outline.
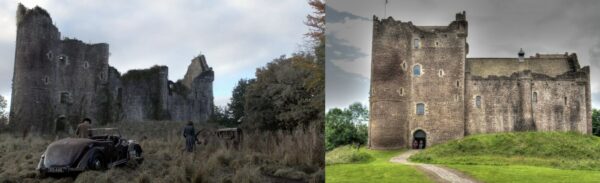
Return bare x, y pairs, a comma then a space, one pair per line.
423, 87
58, 82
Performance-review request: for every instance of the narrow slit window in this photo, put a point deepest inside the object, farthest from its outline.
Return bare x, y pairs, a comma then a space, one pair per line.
478, 101
420, 109
534, 97
457, 83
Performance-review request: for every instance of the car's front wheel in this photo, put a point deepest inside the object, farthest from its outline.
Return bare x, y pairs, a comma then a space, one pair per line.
96, 162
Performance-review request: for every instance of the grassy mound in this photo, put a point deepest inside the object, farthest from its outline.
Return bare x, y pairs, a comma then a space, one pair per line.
377, 169
552, 149
346, 154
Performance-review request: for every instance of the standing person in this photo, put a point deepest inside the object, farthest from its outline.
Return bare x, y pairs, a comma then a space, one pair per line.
189, 133
83, 129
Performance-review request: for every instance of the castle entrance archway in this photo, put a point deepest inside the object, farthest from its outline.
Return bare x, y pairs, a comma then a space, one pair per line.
419, 140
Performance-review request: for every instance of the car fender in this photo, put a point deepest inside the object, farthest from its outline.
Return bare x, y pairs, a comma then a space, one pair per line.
83, 162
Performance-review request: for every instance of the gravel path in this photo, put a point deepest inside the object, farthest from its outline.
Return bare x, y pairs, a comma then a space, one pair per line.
438, 173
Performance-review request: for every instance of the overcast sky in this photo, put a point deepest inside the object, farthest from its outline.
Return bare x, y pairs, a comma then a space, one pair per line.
496, 29
237, 36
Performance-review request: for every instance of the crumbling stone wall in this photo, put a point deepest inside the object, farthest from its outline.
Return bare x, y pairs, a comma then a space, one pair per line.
463, 96
58, 81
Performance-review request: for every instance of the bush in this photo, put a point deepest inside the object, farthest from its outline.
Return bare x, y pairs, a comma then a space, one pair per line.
346, 154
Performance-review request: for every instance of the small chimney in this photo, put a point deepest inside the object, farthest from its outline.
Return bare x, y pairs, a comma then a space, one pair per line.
521, 55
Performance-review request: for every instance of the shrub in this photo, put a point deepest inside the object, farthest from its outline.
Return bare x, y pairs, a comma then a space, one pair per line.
346, 154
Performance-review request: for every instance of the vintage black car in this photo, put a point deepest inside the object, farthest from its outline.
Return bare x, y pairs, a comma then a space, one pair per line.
105, 149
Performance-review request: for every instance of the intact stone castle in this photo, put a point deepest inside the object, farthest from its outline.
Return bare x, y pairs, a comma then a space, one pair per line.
425, 89
57, 82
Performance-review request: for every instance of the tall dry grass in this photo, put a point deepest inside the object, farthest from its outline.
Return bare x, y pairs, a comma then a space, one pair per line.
295, 156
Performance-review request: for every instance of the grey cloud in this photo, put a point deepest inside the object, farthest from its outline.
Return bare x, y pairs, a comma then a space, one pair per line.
236, 36
496, 28
335, 16
344, 88
339, 49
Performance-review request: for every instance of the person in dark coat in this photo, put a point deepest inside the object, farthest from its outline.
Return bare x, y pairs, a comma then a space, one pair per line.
189, 133
415, 144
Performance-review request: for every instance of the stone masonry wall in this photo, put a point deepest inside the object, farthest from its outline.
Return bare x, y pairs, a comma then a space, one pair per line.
464, 96
58, 82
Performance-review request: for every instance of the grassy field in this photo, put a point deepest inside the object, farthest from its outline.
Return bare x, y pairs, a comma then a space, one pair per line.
521, 157
277, 156
527, 174
375, 168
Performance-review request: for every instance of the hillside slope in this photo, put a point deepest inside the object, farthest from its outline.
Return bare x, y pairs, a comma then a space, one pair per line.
550, 149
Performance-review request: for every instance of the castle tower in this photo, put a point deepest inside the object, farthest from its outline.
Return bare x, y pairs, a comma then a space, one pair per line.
31, 91
417, 83
55, 78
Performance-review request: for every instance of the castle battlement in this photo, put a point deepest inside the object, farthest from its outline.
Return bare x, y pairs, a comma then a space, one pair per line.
424, 88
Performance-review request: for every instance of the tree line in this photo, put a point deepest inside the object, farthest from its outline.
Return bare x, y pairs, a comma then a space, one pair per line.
287, 93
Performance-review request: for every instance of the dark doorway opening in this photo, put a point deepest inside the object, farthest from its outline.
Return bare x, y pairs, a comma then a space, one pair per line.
419, 140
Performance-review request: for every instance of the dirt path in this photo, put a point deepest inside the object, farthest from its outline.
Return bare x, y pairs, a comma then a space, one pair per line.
436, 172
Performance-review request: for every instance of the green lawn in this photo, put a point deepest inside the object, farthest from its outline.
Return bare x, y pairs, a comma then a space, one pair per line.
529, 174
521, 157
377, 169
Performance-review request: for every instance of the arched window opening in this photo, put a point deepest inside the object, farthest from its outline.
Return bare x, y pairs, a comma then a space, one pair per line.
65, 98
420, 109
534, 97
566, 101
417, 70
86, 65
441, 73
417, 43
478, 101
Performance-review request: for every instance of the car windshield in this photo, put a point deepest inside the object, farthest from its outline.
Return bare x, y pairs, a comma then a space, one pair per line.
105, 132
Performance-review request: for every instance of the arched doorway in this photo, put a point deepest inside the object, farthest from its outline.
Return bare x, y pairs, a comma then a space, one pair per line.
419, 140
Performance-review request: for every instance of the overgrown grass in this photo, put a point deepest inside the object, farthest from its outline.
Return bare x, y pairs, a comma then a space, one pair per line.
262, 157
347, 154
549, 149
377, 169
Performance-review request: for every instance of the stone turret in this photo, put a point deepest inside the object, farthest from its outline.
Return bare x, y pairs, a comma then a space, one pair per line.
197, 67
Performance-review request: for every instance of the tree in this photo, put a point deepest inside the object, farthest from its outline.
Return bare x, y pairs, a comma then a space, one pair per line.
346, 126
289, 92
3, 115
280, 98
316, 21
222, 117
596, 122
236, 105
